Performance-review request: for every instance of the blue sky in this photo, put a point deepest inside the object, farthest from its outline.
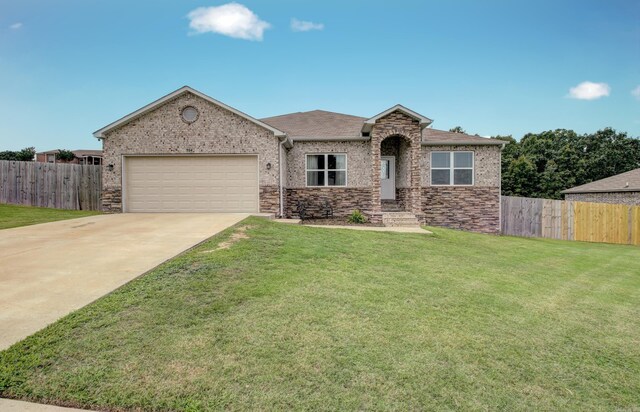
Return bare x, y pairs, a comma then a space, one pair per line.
69, 67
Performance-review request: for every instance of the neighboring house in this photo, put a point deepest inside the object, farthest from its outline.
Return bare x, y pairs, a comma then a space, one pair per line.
623, 188
84, 157
187, 152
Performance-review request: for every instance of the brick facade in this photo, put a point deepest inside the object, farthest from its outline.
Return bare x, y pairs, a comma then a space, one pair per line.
472, 208
625, 198
218, 130
358, 161
162, 131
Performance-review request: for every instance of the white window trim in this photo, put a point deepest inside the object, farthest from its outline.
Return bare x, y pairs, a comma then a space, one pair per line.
326, 169
452, 167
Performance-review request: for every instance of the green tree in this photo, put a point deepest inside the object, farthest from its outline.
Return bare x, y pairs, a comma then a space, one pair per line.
556, 160
65, 155
25, 155
458, 129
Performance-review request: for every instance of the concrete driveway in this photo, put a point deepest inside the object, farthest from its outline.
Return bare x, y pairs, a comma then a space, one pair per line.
52, 269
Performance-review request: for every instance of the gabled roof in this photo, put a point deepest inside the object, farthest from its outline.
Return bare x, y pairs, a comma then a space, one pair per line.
434, 137
319, 125
424, 121
100, 134
623, 182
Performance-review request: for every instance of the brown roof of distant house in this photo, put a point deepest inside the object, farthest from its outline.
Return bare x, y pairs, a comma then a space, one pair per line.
317, 124
624, 182
324, 125
78, 153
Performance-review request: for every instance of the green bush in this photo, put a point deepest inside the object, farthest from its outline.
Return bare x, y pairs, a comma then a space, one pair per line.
357, 217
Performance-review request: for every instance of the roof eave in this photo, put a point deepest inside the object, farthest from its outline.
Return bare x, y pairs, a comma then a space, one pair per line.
330, 139
575, 192
450, 143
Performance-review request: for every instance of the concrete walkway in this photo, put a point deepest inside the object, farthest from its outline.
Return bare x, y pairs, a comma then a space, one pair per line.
8, 405
366, 228
52, 269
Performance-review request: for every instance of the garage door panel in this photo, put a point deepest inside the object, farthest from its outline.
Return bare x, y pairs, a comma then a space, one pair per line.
191, 184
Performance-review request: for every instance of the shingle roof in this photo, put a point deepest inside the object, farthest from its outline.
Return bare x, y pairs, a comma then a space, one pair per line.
437, 137
317, 124
624, 182
324, 125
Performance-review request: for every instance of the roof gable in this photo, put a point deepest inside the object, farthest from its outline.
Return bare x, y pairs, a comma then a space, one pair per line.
423, 120
100, 134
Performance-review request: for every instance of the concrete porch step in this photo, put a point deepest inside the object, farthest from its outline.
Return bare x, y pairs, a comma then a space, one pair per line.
399, 219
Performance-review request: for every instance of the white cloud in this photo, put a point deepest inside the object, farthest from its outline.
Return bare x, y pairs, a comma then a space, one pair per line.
300, 25
636, 92
16, 26
232, 19
589, 91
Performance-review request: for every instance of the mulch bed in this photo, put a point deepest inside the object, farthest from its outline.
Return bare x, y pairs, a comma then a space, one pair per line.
335, 221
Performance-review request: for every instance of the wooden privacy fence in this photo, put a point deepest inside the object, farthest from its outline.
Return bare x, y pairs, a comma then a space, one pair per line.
562, 219
60, 186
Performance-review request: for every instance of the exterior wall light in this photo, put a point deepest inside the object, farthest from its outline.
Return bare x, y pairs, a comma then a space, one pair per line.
110, 168
268, 166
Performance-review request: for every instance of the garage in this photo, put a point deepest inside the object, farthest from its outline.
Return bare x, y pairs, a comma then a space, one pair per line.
193, 183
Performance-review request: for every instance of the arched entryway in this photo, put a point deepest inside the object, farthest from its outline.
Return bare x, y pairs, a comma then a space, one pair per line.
395, 173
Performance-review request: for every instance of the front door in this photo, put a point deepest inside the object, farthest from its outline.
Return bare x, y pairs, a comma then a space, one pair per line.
388, 177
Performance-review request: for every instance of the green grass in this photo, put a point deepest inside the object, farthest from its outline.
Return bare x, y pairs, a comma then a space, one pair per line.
15, 216
297, 318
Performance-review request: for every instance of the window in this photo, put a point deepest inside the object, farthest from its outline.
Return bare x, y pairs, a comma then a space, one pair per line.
326, 170
452, 168
189, 114
51, 158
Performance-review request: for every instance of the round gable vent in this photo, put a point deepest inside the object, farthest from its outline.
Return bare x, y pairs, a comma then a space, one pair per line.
189, 114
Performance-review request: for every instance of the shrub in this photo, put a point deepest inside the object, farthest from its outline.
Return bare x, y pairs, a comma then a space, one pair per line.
357, 217
65, 155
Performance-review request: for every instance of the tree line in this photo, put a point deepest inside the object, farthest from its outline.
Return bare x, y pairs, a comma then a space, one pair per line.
28, 154
544, 164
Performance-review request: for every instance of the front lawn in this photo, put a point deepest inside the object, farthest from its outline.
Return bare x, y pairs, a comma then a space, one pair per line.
14, 216
267, 316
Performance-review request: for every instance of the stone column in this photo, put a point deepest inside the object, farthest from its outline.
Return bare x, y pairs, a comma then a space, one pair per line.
376, 206
416, 192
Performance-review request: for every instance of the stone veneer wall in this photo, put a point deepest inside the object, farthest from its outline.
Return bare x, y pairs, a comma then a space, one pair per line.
402, 197
343, 200
216, 131
270, 199
624, 198
472, 208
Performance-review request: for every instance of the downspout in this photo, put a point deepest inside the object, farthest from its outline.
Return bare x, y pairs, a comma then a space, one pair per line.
280, 157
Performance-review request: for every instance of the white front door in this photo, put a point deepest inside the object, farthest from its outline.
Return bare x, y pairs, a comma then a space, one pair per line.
388, 177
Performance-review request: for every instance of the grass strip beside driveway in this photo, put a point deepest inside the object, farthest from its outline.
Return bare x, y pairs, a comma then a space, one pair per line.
270, 316
16, 216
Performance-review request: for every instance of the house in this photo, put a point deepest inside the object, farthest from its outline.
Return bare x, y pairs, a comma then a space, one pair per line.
187, 152
623, 188
84, 157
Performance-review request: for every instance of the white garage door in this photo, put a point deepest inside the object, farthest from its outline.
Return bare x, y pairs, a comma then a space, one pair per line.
191, 184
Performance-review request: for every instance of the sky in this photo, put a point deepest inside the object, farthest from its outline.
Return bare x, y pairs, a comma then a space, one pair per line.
69, 67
